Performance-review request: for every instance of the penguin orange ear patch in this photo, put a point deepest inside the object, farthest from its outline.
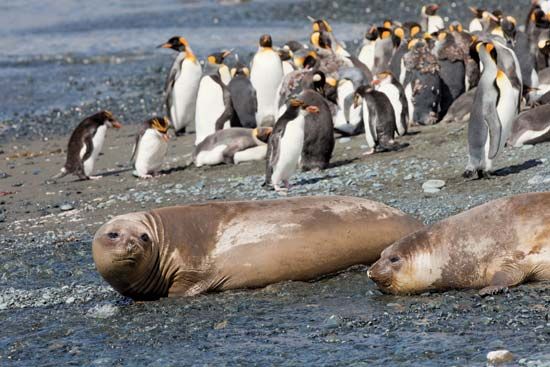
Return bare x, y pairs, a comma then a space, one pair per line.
415, 30
212, 59
315, 37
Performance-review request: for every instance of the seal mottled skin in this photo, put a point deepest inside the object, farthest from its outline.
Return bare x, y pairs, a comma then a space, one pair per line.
491, 247
191, 249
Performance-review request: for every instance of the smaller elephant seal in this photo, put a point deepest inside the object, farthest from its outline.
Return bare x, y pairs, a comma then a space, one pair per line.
531, 127
233, 145
491, 247
192, 249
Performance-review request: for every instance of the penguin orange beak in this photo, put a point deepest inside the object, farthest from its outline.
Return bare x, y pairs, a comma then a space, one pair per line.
166, 137
375, 81
165, 45
116, 124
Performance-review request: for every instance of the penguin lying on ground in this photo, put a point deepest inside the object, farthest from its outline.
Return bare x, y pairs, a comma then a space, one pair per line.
232, 145
461, 108
531, 127
182, 85
150, 147
86, 143
286, 144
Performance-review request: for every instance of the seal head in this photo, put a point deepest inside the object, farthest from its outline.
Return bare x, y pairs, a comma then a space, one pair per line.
126, 254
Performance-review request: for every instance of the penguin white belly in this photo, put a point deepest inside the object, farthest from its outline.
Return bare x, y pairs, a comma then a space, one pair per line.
507, 109
97, 140
392, 93
366, 55
487, 164
287, 68
210, 157
435, 23
290, 151
184, 94
251, 154
409, 95
530, 135
150, 152
370, 135
339, 121
475, 26
403, 72
210, 107
265, 76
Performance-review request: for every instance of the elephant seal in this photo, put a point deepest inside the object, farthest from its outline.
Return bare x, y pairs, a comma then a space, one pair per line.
191, 249
493, 246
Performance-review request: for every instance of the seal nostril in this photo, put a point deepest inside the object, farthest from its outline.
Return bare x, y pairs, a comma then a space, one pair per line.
112, 235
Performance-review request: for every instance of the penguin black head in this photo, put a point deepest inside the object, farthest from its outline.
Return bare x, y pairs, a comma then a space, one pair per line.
478, 12
315, 80
296, 103
262, 133
176, 43
539, 18
383, 76
388, 23
265, 41
217, 58
321, 40
398, 36
456, 27
384, 33
508, 25
284, 54
321, 25
430, 9
372, 34
489, 48
360, 93
240, 70
107, 118
294, 45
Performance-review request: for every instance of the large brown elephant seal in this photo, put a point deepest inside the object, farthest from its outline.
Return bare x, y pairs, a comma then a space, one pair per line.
493, 246
191, 249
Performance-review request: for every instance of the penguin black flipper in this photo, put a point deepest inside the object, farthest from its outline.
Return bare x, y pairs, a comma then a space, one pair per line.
171, 78
136, 143
495, 132
273, 151
228, 113
89, 143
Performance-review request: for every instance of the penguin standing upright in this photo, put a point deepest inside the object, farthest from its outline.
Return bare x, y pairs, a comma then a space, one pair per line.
182, 85
450, 57
476, 24
321, 25
318, 132
218, 58
266, 74
431, 22
243, 98
287, 58
212, 101
378, 117
494, 110
386, 83
86, 143
286, 143
150, 147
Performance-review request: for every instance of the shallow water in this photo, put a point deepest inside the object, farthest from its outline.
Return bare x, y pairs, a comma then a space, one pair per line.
56, 310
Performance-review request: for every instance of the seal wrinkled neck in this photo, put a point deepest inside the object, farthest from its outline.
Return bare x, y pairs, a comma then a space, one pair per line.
129, 253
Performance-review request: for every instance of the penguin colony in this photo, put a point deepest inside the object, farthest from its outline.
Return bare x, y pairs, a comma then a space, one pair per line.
286, 105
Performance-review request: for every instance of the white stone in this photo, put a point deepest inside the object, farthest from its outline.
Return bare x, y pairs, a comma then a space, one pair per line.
497, 357
433, 184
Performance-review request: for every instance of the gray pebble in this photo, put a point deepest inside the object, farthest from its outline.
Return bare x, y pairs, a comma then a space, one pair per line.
66, 207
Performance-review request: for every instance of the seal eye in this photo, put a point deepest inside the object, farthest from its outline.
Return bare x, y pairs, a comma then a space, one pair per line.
112, 235
394, 259
144, 237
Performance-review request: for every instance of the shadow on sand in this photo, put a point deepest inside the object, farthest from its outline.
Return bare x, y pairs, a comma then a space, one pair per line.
517, 168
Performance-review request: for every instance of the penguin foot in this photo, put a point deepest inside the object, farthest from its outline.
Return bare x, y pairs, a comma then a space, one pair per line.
287, 184
94, 177
370, 151
468, 173
484, 175
146, 176
281, 190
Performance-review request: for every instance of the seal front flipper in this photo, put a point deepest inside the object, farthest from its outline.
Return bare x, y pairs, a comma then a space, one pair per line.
501, 282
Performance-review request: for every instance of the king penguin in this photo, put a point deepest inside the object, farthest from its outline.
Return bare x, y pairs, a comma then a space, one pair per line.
243, 98
182, 85
86, 143
266, 74
150, 147
218, 58
212, 101
494, 110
